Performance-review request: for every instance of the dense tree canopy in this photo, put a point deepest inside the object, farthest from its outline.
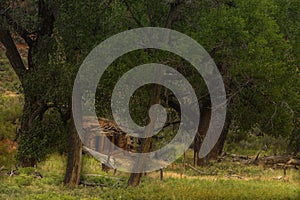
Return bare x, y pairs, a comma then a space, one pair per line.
255, 45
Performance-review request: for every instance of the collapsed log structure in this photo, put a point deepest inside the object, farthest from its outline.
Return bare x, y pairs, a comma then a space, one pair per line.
96, 145
105, 128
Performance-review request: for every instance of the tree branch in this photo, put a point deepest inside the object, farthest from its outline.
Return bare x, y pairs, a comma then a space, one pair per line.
132, 14
172, 16
18, 28
42, 108
240, 89
47, 19
12, 53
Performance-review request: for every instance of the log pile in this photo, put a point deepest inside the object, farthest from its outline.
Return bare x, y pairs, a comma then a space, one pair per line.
277, 161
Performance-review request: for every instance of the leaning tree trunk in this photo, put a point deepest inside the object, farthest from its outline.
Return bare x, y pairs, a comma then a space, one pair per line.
205, 115
135, 178
203, 128
73, 169
218, 148
72, 175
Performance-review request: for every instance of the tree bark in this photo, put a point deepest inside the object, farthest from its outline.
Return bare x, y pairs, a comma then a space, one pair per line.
19, 68
218, 148
203, 127
205, 115
12, 53
135, 178
294, 143
73, 169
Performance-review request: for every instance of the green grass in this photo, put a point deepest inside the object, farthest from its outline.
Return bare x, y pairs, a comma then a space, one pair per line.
258, 184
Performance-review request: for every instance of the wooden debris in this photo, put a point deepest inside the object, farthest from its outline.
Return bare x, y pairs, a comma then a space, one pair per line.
37, 174
91, 184
13, 172
294, 161
275, 159
281, 161
196, 170
235, 176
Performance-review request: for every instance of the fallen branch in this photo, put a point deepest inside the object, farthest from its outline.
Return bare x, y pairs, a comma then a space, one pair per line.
239, 157
294, 161
91, 184
235, 176
275, 159
196, 170
256, 160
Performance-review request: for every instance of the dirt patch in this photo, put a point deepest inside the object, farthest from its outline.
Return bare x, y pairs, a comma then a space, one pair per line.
11, 94
7, 145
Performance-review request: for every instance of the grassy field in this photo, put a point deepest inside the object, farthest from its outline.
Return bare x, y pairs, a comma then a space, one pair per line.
230, 181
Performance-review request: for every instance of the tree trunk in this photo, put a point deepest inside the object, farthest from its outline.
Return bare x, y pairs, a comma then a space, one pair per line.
205, 115
218, 148
72, 175
203, 127
19, 68
135, 178
12, 53
25, 160
33, 107
294, 143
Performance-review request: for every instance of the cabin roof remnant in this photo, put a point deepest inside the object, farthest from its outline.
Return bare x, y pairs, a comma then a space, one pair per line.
105, 128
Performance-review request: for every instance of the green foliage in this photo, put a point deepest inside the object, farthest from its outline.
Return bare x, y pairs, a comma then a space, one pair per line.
250, 143
9, 82
11, 110
246, 39
46, 137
